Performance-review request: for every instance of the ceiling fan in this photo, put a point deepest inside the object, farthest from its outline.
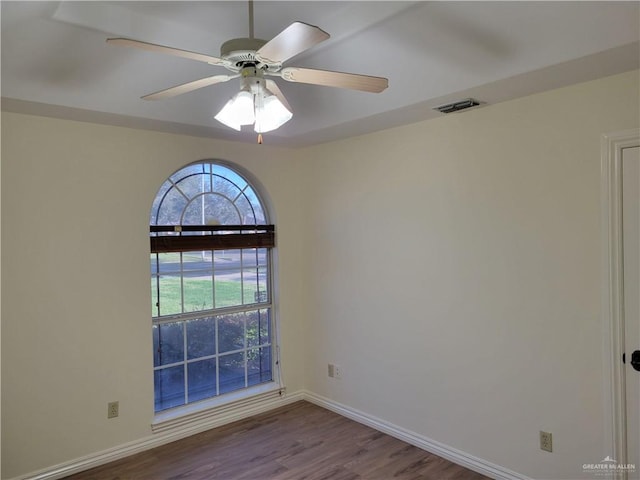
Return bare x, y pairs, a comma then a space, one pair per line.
260, 101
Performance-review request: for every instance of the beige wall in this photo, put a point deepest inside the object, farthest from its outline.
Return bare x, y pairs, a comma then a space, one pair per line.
456, 275
75, 320
451, 268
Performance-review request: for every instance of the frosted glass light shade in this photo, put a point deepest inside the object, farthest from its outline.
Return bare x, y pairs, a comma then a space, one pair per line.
271, 114
238, 111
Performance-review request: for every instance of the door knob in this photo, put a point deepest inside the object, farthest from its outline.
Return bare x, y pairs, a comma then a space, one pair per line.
635, 360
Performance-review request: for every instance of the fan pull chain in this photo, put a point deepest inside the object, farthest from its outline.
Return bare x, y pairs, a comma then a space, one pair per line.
259, 139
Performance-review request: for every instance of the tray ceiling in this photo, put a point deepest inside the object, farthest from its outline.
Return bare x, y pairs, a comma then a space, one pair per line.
55, 60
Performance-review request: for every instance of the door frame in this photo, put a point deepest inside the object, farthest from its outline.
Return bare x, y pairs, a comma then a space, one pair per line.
612, 145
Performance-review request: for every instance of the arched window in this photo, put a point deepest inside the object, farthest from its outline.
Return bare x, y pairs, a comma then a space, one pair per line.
210, 286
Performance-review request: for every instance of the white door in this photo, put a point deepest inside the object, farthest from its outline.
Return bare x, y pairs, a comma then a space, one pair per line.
631, 282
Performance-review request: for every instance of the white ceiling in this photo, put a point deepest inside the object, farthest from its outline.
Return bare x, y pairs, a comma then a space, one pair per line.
55, 60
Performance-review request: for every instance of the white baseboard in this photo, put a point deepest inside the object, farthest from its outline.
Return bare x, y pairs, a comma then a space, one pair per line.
456, 456
249, 409
246, 409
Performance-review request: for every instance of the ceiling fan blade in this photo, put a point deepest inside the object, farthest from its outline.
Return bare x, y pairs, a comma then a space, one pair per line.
328, 78
152, 47
188, 87
273, 88
294, 39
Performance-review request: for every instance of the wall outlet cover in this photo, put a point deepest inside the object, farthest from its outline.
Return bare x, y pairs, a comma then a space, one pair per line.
113, 409
546, 441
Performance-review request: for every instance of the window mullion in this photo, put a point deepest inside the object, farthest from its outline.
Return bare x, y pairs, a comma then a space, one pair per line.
242, 277
207, 313
246, 354
217, 358
184, 333
213, 278
257, 263
181, 283
186, 369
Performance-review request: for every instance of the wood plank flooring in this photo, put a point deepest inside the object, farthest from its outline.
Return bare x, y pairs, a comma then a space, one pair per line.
300, 441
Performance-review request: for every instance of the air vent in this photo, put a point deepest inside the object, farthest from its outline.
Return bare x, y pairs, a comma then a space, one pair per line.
457, 106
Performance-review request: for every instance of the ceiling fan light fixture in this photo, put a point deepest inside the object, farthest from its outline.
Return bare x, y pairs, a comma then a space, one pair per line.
270, 113
238, 111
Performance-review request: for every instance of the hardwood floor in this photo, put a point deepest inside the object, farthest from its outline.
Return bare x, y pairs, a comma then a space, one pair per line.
298, 442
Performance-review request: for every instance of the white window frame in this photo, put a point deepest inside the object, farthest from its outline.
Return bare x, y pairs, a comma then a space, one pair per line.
250, 399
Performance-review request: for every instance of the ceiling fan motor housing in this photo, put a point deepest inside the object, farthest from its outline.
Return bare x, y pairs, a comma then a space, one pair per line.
239, 51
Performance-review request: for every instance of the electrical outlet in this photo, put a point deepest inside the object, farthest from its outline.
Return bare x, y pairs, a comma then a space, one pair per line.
334, 371
546, 442
113, 409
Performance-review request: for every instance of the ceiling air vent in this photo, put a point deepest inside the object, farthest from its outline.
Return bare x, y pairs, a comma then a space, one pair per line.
457, 106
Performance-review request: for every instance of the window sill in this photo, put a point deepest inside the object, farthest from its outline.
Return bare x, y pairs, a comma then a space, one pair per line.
219, 410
